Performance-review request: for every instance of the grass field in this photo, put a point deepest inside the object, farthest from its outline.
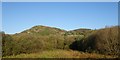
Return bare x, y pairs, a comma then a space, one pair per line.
60, 54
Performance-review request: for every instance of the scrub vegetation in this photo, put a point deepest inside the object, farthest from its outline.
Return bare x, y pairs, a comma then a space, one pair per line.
50, 42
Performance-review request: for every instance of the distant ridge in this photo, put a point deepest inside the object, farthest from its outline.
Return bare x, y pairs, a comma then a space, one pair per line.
46, 30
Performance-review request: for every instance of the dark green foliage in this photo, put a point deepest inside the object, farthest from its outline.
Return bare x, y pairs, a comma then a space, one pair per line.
25, 43
7, 45
76, 43
69, 39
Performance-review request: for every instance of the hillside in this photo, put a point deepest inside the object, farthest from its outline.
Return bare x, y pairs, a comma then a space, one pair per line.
43, 30
43, 38
81, 31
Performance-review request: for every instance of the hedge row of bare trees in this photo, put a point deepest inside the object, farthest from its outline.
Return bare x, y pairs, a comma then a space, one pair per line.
105, 41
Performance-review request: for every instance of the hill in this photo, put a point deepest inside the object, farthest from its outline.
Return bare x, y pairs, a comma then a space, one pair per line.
43, 30
42, 38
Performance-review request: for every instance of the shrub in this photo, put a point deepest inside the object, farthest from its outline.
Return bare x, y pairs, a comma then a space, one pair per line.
7, 45
104, 41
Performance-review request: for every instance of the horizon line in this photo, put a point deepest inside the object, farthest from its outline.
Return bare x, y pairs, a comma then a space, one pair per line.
62, 28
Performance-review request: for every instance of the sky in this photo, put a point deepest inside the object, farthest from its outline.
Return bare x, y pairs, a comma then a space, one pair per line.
60, 0
0, 16
19, 16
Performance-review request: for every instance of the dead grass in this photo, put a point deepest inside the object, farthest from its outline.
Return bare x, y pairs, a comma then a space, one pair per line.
60, 54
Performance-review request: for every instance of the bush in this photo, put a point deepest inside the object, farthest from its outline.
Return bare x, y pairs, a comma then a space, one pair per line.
27, 43
72, 41
104, 41
7, 45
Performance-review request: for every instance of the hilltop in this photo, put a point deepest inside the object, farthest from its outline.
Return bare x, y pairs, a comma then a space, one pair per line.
43, 30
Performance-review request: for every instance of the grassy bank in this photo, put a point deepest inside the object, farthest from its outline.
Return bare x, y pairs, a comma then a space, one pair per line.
60, 54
